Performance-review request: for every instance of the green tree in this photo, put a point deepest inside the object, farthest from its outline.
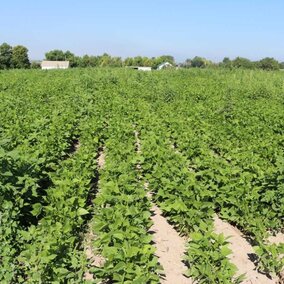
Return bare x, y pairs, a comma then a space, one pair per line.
281, 65
20, 58
69, 56
5, 56
104, 60
88, 61
60, 55
269, 64
199, 62
168, 58
35, 65
138, 61
148, 62
186, 63
128, 61
227, 63
241, 62
55, 55
162, 59
116, 62
83, 61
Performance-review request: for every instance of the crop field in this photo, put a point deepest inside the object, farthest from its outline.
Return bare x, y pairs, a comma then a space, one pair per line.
92, 159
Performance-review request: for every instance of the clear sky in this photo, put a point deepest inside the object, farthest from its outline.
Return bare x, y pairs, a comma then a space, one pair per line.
182, 28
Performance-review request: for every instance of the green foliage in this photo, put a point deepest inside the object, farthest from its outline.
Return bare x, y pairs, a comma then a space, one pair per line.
271, 259
59, 55
241, 62
107, 60
13, 57
207, 257
5, 56
55, 55
35, 65
20, 58
210, 144
269, 64
121, 219
199, 62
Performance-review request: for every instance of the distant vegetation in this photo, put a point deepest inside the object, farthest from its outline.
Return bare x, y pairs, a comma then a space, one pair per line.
13, 57
210, 144
17, 57
239, 62
107, 60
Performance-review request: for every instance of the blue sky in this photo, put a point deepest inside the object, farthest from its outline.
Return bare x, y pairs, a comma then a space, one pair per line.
182, 28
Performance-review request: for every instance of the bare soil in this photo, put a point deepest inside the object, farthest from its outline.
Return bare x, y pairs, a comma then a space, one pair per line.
101, 158
170, 249
242, 253
277, 239
94, 258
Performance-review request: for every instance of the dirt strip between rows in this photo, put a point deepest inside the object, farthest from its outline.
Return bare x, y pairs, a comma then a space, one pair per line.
277, 239
241, 253
94, 259
170, 248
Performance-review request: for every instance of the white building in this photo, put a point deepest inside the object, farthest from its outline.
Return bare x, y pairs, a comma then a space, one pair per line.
47, 65
164, 65
141, 68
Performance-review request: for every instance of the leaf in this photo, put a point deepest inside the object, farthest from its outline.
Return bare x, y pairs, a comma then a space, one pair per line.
82, 211
37, 208
225, 251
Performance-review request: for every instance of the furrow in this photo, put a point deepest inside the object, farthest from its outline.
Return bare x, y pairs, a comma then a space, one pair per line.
170, 249
242, 253
94, 259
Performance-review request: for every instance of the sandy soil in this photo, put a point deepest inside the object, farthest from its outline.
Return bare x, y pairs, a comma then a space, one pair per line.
170, 246
95, 260
137, 142
277, 239
241, 250
101, 158
77, 145
170, 249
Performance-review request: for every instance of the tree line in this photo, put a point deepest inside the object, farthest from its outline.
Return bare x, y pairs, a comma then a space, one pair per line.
267, 63
17, 57
107, 60
13, 57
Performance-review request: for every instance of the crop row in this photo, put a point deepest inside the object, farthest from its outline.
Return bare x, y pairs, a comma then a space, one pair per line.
121, 209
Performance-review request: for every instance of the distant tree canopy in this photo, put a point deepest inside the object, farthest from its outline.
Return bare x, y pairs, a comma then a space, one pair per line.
17, 57
13, 57
197, 62
240, 62
20, 58
269, 64
55, 55
107, 60
35, 65
5, 56
59, 55
200, 62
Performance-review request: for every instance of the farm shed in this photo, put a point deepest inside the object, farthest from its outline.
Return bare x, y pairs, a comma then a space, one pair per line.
164, 66
46, 65
141, 68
